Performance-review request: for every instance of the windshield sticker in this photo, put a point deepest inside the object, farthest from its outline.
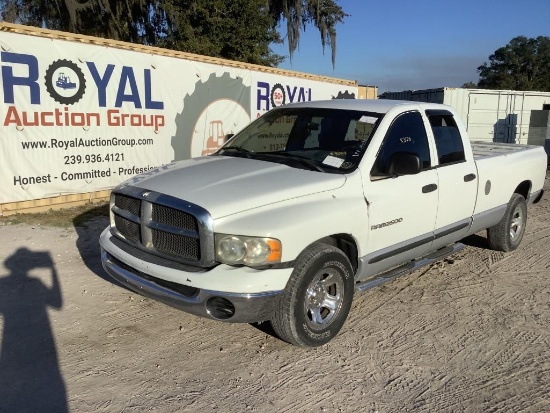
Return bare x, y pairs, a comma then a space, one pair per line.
338, 153
333, 161
368, 119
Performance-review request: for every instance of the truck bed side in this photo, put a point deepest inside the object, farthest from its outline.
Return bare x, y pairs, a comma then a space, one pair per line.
502, 170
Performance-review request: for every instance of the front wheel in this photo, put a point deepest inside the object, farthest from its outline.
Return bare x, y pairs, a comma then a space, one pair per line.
317, 298
508, 233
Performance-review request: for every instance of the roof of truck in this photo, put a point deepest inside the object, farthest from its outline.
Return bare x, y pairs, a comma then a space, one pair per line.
368, 105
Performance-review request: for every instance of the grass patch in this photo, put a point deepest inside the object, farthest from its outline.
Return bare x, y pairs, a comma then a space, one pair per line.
63, 218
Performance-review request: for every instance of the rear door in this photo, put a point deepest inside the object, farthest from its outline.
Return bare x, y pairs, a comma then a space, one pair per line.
402, 209
457, 176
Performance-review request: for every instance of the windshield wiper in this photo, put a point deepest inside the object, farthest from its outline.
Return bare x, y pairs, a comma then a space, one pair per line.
237, 149
312, 165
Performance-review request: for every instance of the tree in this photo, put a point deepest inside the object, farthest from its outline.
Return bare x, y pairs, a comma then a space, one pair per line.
138, 21
233, 29
34, 13
324, 14
523, 64
469, 85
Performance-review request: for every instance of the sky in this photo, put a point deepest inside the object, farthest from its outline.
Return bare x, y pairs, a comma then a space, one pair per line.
417, 44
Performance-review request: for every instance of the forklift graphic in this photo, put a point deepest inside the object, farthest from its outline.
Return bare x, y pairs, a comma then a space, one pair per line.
215, 139
64, 82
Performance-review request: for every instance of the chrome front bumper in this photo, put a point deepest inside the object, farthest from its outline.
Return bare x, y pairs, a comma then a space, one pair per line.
243, 308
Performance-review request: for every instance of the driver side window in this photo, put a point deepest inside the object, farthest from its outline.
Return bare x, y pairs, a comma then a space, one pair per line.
406, 135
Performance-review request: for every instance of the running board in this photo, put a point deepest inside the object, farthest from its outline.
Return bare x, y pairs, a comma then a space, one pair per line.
408, 267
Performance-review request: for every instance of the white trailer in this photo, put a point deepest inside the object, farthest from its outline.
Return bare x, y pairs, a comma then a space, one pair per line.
489, 115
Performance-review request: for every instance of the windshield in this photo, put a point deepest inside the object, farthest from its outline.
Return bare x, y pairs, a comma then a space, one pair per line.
324, 140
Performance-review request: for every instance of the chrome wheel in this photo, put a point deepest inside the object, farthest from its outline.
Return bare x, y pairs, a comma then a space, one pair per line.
516, 223
317, 298
324, 298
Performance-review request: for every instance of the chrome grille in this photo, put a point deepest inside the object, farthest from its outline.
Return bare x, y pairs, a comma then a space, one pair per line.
129, 229
178, 245
163, 225
173, 217
132, 205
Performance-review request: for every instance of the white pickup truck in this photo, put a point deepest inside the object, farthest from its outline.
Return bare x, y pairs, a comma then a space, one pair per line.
311, 203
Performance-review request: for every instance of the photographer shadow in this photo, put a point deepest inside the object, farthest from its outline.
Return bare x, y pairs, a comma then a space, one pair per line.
30, 377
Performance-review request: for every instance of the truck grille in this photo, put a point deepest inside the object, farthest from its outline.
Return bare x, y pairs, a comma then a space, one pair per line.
132, 205
177, 245
173, 217
129, 229
163, 225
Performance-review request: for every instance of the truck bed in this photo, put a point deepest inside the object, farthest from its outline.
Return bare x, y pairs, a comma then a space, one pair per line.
498, 167
482, 149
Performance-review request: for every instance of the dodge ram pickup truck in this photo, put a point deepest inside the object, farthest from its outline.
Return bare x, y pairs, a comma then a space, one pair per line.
312, 203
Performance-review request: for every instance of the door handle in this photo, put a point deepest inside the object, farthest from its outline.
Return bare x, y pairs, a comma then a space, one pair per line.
469, 177
429, 188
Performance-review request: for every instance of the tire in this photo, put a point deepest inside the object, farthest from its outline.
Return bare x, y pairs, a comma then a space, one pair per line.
508, 233
323, 275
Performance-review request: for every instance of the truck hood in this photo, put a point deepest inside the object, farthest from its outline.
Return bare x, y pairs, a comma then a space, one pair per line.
226, 185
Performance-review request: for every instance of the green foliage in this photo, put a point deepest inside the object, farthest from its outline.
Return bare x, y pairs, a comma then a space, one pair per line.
33, 13
469, 85
523, 64
234, 29
240, 30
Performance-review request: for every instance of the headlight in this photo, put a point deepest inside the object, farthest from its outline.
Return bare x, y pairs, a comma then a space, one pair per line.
237, 249
111, 205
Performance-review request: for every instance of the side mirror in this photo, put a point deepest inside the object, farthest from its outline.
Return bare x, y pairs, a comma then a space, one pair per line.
228, 137
404, 163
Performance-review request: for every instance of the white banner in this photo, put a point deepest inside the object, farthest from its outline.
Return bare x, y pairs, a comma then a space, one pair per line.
80, 118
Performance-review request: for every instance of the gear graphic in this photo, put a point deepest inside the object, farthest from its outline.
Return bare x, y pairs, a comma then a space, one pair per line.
344, 95
65, 100
276, 87
194, 104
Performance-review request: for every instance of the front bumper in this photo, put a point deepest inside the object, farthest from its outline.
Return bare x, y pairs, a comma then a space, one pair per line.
221, 306
225, 293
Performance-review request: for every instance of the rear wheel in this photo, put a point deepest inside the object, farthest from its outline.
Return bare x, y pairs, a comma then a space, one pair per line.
508, 233
317, 298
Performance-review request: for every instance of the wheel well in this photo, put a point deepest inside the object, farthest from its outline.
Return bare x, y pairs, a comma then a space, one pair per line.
346, 243
523, 189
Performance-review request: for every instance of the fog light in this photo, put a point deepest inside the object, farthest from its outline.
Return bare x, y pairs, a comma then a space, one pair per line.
220, 308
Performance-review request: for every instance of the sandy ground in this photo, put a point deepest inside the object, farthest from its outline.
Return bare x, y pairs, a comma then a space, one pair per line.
471, 333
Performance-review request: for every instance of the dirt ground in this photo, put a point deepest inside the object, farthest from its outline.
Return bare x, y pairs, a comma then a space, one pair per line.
471, 333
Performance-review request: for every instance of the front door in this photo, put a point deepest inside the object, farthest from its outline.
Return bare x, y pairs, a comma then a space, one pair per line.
402, 209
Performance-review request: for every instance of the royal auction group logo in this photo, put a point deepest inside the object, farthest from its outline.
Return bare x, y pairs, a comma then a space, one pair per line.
126, 92
65, 82
278, 95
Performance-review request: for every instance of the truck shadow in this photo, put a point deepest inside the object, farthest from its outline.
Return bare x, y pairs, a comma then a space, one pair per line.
89, 226
266, 328
476, 241
30, 377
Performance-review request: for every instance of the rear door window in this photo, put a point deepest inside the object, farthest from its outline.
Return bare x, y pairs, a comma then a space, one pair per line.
448, 141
